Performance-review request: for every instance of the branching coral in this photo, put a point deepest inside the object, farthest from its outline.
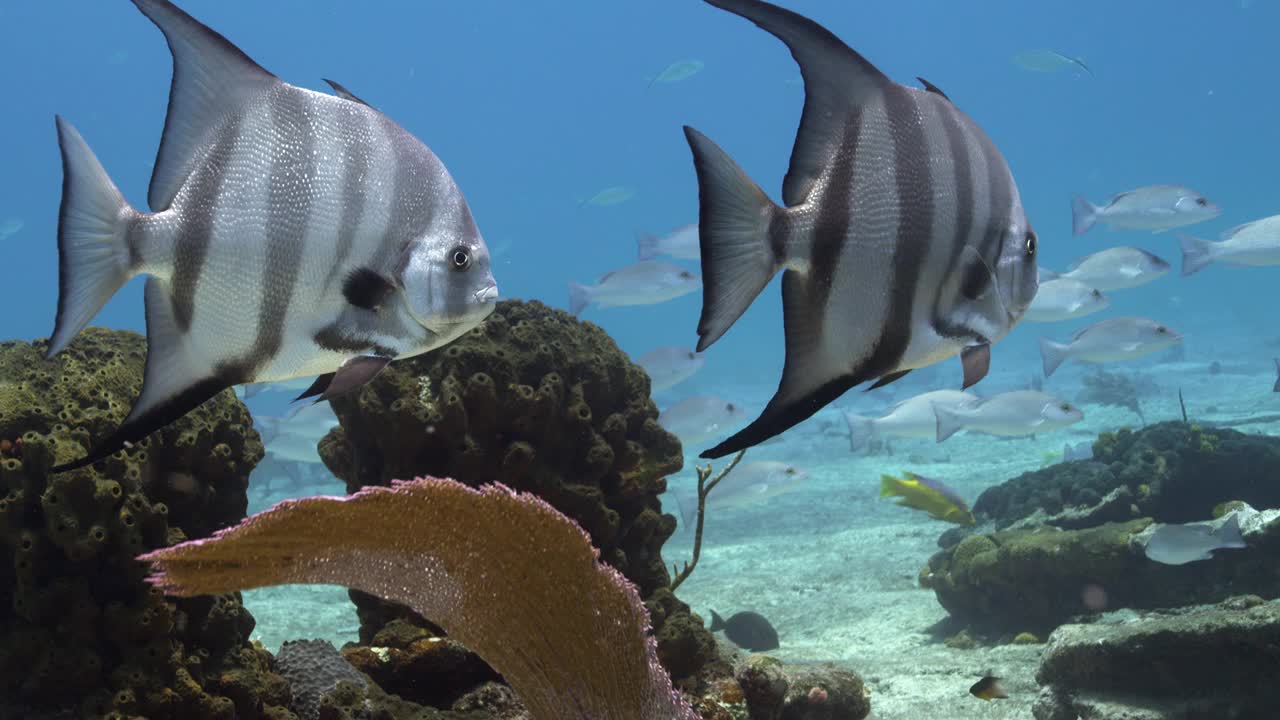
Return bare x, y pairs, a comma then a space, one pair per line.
504, 573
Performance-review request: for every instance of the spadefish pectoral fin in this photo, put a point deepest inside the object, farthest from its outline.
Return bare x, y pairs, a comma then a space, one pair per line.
739, 255
176, 380
887, 379
976, 361
317, 387
211, 79
817, 371
836, 79
354, 372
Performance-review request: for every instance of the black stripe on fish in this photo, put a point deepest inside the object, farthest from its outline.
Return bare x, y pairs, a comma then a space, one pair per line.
915, 230
831, 228
366, 288
332, 338
191, 248
289, 199
958, 150
355, 166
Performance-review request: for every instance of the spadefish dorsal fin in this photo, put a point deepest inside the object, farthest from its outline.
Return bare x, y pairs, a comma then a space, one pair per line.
933, 88
341, 91
211, 79
836, 80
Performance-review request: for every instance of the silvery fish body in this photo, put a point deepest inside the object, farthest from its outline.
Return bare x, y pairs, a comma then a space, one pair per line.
682, 243
1117, 268
1252, 244
295, 437
699, 418
1155, 207
293, 233
1110, 340
670, 366
1018, 413
902, 234
1179, 544
1065, 299
915, 417
647, 282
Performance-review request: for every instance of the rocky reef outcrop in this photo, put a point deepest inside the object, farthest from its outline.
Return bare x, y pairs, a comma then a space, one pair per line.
541, 402
78, 624
1217, 662
1162, 472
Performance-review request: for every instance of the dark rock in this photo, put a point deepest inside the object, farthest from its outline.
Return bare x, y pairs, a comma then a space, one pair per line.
78, 624
314, 668
1162, 469
541, 402
1204, 662
773, 691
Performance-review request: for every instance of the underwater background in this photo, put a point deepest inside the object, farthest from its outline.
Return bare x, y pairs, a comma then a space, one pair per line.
554, 121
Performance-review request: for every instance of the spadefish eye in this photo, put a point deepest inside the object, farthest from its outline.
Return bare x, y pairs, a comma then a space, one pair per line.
1031, 244
460, 257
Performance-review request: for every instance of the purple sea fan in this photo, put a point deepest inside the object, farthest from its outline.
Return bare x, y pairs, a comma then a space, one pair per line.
504, 573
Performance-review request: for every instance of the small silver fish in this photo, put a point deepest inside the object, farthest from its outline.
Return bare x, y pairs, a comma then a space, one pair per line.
1190, 542
644, 283
670, 366
1079, 451
1065, 299
615, 195
747, 484
293, 233
1018, 413
914, 417
1155, 207
1117, 268
1110, 340
295, 437
700, 418
677, 71
901, 237
682, 243
1047, 61
1252, 244
10, 227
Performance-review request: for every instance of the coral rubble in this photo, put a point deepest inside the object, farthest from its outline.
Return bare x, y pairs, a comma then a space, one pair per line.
77, 621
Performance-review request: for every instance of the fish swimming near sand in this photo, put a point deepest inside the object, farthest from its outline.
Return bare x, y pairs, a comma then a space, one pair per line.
1174, 544
1117, 268
915, 417
648, 282
1018, 413
1110, 340
930, 496
989, 688
670, 366
1252, 244
1155, 207
747, 484
292, 233
748, 630
902, 235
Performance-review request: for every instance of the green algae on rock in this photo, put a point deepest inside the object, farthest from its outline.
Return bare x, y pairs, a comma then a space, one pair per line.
539, 401
1157, 472
77, 622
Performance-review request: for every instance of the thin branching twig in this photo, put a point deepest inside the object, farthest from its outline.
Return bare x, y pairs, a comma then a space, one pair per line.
704, 487
1183, 405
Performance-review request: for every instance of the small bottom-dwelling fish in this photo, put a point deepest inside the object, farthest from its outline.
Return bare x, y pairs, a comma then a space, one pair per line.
1252, 244
292, 233
1018, 413
1190, 542
989, 688
644, 283
930, 496
748, 630
1110, 340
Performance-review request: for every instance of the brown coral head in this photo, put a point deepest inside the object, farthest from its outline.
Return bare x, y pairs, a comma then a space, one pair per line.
501, 572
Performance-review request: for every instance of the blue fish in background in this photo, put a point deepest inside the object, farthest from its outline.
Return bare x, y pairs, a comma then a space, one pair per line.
293, 233
902, 234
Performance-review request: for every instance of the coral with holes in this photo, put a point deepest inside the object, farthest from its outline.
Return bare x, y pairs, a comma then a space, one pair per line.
77, 623
539, 401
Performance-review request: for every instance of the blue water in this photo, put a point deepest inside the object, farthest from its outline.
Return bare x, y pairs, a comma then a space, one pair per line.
534, 106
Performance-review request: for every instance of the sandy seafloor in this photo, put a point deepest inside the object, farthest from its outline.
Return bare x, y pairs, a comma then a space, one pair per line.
834, 567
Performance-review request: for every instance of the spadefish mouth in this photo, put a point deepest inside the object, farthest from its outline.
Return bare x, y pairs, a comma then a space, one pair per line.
488, 294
